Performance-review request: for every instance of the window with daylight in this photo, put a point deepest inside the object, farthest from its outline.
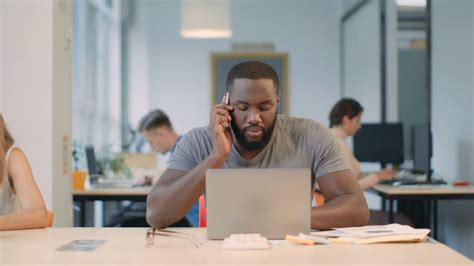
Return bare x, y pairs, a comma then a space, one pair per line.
96, 72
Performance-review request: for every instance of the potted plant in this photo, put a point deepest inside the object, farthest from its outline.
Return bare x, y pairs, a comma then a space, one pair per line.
78, 176
111, 164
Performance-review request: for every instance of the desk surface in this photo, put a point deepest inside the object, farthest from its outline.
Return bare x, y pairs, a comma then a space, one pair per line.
134, 191
128, 246
424, 190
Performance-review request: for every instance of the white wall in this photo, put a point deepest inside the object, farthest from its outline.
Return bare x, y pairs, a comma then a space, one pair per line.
361, 53
35, 84
138, 60
453, 114
179, 73
21, 77
361, 50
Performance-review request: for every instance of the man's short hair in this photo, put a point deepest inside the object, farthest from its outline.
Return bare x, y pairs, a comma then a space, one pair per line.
154, 119
252, 70
344, 107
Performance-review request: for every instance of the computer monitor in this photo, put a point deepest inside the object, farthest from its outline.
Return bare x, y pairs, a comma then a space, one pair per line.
422, 153
379, 143
91, 161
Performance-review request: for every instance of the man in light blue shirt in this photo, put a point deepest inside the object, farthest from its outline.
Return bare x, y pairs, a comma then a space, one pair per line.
157, 129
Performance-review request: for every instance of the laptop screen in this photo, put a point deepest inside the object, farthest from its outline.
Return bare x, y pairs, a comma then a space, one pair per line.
91, 162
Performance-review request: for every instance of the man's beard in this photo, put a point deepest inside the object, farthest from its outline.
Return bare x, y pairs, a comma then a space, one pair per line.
252, 145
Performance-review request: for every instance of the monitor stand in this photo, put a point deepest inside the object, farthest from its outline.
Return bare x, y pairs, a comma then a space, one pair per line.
433, 181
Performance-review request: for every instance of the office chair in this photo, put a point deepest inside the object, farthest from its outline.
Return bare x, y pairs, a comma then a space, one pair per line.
50, 218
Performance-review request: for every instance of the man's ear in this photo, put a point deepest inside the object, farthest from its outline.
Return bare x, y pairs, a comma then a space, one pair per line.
345, 119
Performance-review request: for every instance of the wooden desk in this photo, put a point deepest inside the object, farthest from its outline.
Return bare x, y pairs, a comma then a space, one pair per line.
128, 246
137, 194
421, 191
430, 193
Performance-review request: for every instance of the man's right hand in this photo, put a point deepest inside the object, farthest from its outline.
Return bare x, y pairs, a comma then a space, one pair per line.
176, 191
219, 124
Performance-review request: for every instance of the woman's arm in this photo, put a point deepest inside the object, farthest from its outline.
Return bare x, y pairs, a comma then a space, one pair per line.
33, 213
365, 180
350, 159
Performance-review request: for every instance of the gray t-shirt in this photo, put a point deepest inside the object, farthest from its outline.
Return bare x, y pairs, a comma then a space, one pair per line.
295, 143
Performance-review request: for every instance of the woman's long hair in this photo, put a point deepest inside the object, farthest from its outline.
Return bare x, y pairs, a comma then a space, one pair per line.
6, 141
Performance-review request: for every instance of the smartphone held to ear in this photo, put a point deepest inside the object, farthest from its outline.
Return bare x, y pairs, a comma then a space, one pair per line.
226, 98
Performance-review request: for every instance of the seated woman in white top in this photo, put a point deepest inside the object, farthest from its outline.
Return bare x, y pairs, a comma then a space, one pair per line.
21, 203
344, 120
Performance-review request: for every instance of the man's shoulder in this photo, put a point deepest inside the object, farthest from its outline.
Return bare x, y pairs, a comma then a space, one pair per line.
198, 133
300, 124
306, 130
191, 149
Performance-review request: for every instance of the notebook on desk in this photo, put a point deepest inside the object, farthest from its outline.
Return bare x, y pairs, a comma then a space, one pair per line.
270, 202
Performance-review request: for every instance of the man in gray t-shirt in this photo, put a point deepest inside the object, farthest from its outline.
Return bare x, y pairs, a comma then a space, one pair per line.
245, 131
295, 143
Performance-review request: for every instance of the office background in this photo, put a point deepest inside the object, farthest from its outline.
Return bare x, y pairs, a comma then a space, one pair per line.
159, 68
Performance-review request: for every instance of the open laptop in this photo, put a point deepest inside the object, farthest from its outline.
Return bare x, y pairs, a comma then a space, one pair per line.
99, 181
270, 202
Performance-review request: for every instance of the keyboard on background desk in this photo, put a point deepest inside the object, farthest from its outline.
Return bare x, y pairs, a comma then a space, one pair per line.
408, 177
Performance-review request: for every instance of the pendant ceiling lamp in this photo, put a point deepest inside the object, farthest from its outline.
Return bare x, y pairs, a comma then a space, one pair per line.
205, 19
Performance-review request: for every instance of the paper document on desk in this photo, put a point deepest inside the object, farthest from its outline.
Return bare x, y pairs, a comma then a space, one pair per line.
81, 245
375, 234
